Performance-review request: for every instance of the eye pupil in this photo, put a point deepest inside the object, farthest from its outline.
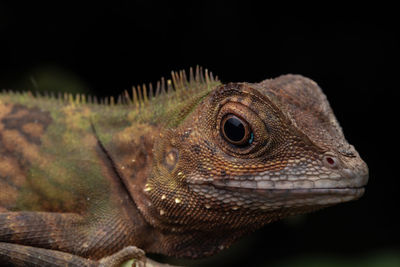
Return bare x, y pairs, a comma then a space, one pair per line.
234, 129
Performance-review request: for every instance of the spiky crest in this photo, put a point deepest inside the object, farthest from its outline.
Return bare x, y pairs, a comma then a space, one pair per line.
179, 83
177, 86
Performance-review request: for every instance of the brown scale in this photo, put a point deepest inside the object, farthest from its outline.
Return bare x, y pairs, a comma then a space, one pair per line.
21, 129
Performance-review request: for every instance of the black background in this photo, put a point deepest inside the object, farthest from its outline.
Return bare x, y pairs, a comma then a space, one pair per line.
350, 52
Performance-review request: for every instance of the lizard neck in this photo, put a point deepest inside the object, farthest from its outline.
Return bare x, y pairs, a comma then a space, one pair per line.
129, 146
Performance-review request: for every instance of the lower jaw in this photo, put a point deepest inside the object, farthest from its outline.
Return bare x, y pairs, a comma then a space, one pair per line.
324, 196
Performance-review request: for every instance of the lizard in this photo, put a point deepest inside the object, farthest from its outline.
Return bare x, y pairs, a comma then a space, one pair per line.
184, 168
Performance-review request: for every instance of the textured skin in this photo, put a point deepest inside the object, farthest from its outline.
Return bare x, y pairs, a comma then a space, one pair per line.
82, 181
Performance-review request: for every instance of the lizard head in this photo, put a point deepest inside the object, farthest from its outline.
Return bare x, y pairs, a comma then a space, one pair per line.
247, 154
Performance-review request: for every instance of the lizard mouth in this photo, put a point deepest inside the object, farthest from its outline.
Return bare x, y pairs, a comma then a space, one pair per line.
318, 196
286, 193
272, 199
347, 181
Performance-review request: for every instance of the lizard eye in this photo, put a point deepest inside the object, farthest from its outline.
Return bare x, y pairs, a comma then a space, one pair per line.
236, 131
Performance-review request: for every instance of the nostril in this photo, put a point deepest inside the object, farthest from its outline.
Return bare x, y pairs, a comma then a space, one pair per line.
330, 161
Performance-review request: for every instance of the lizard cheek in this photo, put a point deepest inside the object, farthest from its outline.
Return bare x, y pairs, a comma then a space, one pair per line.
171, 158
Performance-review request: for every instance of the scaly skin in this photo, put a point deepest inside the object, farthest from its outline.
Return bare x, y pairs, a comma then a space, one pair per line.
88, 184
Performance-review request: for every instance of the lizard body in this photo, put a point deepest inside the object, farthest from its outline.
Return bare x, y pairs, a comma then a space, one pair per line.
184, 170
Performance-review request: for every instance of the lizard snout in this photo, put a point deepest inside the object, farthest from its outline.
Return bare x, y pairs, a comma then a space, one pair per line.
352, 170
